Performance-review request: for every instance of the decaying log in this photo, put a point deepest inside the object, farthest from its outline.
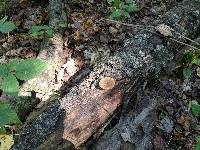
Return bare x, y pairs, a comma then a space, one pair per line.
135, 130
54, 54
86, 107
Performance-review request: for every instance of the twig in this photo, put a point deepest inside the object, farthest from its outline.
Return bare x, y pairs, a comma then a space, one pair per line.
132, 25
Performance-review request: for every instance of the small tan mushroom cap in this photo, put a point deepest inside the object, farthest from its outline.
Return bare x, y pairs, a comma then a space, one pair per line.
107, 83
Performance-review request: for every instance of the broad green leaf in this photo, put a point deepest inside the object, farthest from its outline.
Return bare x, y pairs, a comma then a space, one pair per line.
194, 108
197, 62
3, 70
2, 130
187, 73
3, 20
12, 65
130, 8
8, 115
7, 26
49, 33
197, 146
116, 3
35, 34
117, 13
10, 85
35, 29
30, 68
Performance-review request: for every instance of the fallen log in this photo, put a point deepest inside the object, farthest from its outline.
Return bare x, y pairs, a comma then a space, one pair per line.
86, 107
54, 54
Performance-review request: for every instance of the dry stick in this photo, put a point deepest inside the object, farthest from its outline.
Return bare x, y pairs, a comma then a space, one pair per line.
187, 38
132, 25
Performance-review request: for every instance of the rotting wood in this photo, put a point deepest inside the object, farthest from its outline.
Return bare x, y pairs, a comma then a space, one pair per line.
85, 107
54, 54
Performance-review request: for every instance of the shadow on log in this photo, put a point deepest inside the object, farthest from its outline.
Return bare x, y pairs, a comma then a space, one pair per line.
86, 107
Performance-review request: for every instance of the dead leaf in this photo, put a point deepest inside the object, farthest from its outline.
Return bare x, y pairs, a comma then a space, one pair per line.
164, 30
198, 72
77, 35
113, 31
184, 121
24, 3
159, 142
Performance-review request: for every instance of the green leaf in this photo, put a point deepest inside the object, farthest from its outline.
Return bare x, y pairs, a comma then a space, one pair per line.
2, 130
49, 33
130, 8
30, 68
7, 26
3, 70
194, 108
40, 30
11, 66
197, 146
3, 20
129, 1
10, 85
8, 116
126, 14
117, 3
196, 62
117, 13
35, 29
187, 73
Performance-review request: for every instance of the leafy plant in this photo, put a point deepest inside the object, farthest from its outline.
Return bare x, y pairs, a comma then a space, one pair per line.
19, 69
122, 9
197, 146
190, 59
8, 117
6, 26
187, 73
43, 30
194, 107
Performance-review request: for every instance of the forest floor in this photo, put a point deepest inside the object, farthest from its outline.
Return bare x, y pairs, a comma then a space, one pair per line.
90, 37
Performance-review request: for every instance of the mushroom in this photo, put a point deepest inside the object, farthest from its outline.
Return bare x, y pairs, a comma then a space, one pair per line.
107, 83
